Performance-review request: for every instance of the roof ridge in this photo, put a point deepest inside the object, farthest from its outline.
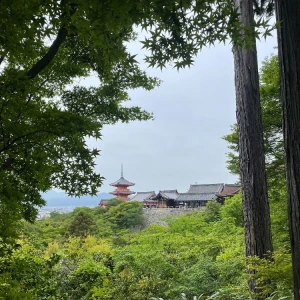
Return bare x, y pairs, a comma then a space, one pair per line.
199, 193
122, 181
206, 184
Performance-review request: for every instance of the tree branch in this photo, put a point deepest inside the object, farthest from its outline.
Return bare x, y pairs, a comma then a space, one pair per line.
34, 143
49, 56
11, 144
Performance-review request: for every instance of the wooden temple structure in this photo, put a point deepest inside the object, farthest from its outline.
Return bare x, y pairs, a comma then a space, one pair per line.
229, 190
146, 198
163, 199
200, 194
166, 198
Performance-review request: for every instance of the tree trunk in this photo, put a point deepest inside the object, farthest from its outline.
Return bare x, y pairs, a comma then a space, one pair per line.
289, 57
251, 145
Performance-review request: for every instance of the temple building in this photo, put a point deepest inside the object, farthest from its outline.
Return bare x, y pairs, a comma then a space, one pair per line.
122, 188
146, 198
199, 194
163, 199
166, 198
229, 190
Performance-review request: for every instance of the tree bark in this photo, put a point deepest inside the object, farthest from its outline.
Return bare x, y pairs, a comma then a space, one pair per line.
251, 145
288, 12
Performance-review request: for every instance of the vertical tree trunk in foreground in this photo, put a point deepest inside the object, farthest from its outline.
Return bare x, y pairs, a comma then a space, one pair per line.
251, 146
288, 11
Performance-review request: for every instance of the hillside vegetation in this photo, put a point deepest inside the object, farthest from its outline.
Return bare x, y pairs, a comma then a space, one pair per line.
101, 254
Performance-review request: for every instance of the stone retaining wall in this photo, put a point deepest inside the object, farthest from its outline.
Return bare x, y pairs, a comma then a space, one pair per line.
155, 215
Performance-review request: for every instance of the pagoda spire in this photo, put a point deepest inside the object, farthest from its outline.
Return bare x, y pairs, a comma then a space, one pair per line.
121, 170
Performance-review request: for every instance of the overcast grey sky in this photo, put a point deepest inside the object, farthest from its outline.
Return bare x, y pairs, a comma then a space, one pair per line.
193, 109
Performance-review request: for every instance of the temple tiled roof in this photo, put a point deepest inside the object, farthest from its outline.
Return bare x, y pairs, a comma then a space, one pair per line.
208, 192
168, 194
142, 196
215, 188
122, 181
230, 190
196, 197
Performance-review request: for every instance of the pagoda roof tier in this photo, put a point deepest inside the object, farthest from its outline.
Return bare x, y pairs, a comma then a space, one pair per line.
117, 192
122, 181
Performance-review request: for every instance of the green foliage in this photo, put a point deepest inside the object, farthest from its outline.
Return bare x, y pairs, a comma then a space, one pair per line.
202, 276
201, 253
233, 209
87, 276
26, 274
117, 217
221, 296
45, 117
232, 156
126, 214
189, 250
113, 202
273, 275
82, 265
212, 211
82, 225
10, 226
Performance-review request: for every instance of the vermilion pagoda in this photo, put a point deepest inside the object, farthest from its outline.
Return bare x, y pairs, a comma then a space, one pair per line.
122, 188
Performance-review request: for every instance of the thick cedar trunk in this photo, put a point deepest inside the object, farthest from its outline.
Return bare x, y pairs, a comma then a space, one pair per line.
288, 11
251, 146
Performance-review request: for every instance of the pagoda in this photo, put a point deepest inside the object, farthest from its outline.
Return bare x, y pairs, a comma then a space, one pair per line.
122, 191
